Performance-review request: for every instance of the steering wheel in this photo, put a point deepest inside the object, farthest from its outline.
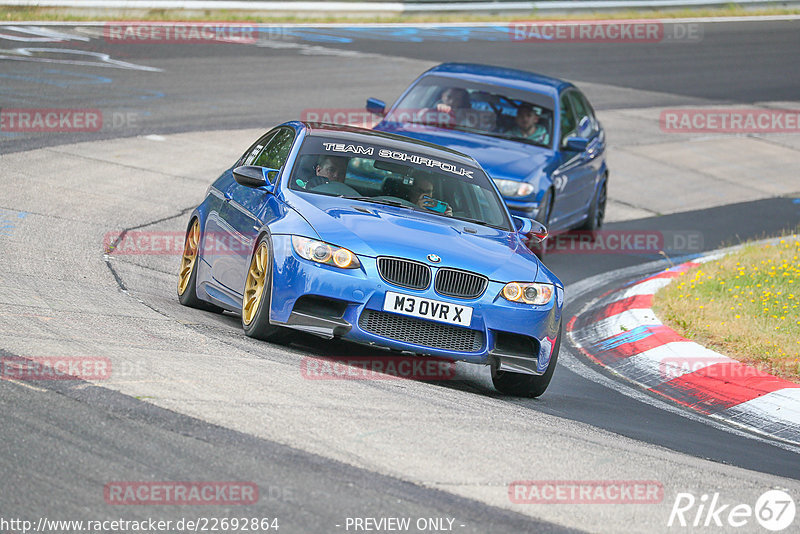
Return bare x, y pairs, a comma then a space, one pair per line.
396, 199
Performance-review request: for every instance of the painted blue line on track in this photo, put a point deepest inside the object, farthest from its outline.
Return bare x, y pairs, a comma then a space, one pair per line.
498, 32
72, 78
629, 336
15, 95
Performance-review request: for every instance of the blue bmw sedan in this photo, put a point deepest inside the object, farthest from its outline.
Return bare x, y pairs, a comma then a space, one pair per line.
537, 137
377, 239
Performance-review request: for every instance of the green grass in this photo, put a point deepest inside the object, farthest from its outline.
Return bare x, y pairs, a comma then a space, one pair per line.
745, 305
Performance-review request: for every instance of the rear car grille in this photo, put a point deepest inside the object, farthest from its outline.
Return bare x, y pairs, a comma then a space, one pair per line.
405, 273
460, 284
419, 332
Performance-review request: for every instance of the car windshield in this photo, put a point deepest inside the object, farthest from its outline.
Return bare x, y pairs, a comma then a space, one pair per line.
483, 109
398, 177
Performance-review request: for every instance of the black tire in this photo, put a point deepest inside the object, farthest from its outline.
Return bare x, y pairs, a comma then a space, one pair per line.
188, 297
259, 326
597, 211
543, 216
522, 385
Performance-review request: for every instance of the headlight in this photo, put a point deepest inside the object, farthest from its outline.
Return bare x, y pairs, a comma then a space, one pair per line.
513, 188
528, 292
322, 252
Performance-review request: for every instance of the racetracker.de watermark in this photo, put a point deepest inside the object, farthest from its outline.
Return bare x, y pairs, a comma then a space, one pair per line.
190, 33
605, 31
63, 120
586, 492
50, 120
55, 368
624, 242
411, 117
377, 368
735, 121
157, 243
180, 493
345, 116
724, 369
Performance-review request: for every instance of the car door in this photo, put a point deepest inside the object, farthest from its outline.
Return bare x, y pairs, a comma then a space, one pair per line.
572, 174
219, 235
589, 128
247, 210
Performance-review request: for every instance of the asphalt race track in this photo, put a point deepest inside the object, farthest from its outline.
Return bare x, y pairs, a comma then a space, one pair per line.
193, 399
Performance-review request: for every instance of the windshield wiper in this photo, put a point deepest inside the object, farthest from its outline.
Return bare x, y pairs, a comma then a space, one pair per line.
383, 201
478, 221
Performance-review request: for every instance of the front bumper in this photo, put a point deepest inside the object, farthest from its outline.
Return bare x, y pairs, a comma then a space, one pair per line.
348, 303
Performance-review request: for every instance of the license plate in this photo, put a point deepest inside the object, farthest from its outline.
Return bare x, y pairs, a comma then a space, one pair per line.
434, 310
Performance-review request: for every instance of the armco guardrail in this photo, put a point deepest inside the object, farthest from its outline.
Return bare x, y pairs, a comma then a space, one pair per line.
389, 7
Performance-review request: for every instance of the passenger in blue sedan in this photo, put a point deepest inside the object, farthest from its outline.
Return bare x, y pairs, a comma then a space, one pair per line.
328, 169
527, 126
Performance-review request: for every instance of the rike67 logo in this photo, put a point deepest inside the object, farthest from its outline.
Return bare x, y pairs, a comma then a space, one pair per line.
774, 510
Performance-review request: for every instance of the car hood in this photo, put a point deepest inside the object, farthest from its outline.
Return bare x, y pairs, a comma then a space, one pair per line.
373, 230
501, 158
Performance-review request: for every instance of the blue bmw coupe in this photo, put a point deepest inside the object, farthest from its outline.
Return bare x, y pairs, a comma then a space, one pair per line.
536, 136
377, 239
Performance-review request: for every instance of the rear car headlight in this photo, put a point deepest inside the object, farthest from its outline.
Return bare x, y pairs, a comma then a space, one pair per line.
322, 252
528, 292
513, 188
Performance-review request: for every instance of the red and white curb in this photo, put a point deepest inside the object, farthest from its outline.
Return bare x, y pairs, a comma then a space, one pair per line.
620, 332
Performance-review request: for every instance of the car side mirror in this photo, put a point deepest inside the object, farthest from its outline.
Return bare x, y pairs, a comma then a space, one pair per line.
585, 127
375, 106
532, 230
576, 144
254, 176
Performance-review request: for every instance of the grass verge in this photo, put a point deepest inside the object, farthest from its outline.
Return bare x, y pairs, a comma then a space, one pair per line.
745, 305
23, 14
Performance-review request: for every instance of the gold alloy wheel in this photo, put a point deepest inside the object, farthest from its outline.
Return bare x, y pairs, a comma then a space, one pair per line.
254, 285
189, 257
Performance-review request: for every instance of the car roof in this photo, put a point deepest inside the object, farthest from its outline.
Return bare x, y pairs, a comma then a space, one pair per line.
502, 76
355, 134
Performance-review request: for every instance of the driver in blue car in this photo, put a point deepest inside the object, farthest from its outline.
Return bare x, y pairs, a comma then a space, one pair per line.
328, 169
527, 125
421, 194
452, 109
